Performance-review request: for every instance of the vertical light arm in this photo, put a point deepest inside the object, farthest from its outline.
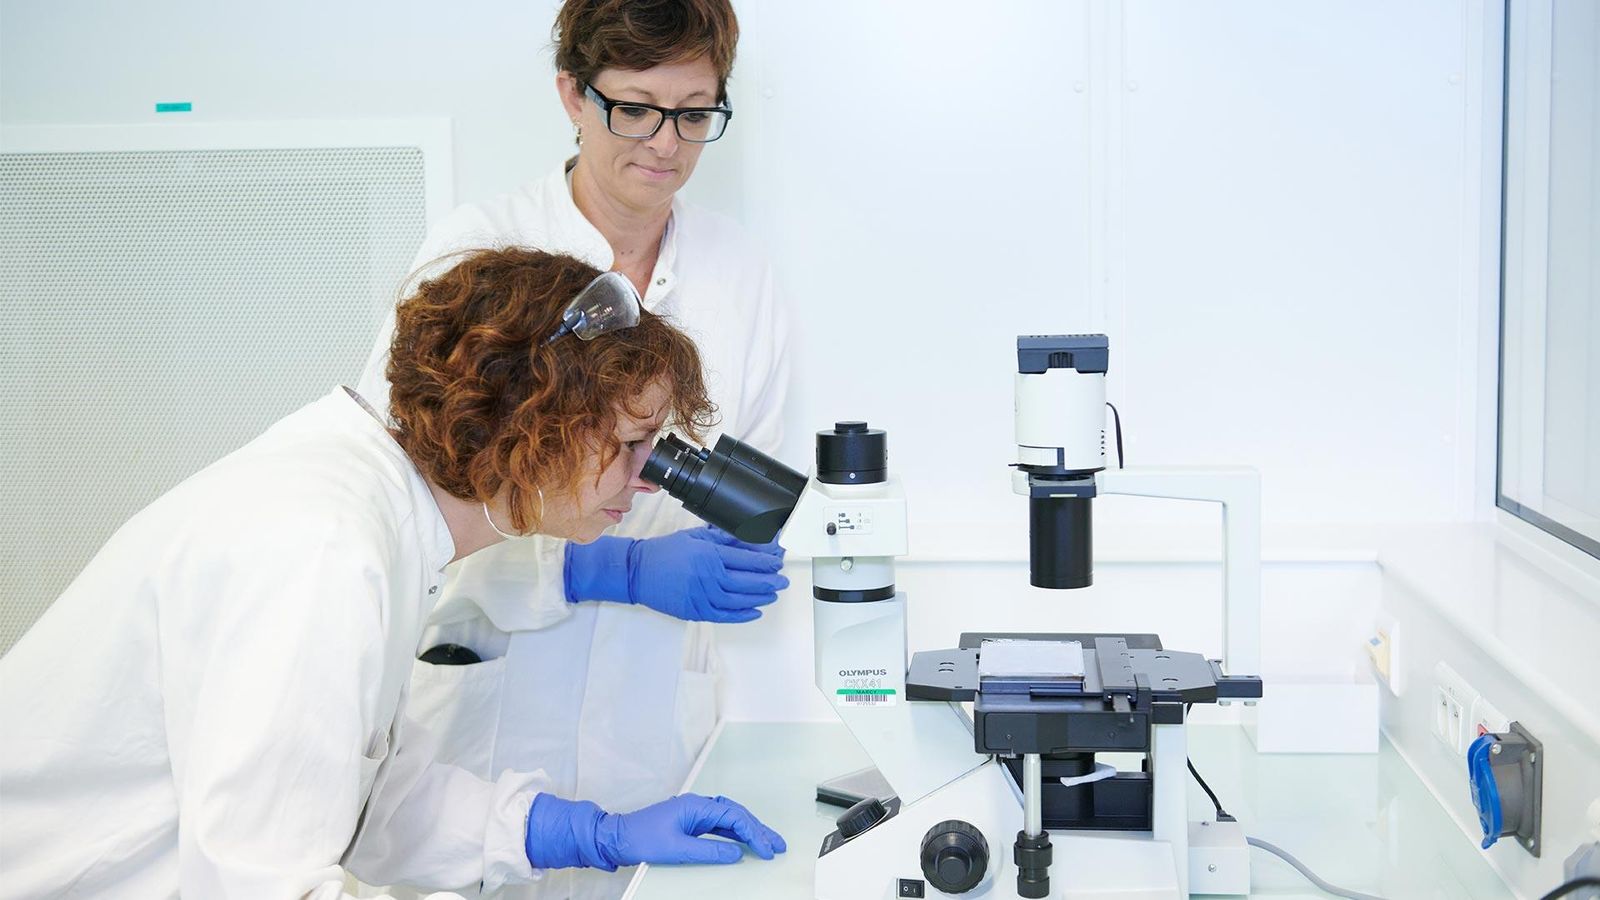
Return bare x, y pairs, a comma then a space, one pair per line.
1238, 489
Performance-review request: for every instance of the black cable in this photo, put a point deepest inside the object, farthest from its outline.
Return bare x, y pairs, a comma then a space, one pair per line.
1569, 887
1221, 815
1116, 417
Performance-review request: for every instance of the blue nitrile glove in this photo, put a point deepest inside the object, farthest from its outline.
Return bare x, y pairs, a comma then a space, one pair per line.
566, 833
703, 574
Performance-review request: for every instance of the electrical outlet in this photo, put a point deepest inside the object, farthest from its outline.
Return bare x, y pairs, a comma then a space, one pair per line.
1485, 719
1453, 701
1384, 649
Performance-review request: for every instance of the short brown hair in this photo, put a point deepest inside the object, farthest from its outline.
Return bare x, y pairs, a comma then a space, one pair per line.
481, 402
591, 35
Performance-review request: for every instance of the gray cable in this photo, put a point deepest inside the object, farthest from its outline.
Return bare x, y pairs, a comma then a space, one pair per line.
1311, 876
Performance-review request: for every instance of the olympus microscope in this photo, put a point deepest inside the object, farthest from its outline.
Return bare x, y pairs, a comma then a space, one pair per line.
1021, 768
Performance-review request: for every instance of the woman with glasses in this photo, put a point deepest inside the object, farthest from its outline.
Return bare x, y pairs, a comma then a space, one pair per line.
216, 707
596, 663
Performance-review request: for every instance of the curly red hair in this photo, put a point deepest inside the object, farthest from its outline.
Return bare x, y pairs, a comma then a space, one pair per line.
481, 403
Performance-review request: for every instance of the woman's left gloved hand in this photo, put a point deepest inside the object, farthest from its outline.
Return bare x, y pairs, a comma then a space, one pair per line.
701, 574
564, 833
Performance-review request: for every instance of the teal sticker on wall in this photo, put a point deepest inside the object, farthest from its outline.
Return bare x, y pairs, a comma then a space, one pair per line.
174, 107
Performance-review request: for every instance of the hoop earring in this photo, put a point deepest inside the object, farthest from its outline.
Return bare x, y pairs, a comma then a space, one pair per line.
507, 535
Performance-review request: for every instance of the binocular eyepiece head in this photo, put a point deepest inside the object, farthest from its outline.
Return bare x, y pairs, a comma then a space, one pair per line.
732, 486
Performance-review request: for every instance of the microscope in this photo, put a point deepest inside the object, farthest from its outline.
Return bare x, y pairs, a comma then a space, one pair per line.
1000, 740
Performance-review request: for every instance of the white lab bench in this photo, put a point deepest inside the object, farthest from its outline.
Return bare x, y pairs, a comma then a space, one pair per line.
1363, 822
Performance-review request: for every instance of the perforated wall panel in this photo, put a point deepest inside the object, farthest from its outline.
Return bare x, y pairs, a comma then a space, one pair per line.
162, 308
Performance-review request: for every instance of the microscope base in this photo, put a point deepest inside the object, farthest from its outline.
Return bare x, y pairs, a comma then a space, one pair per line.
1087, 865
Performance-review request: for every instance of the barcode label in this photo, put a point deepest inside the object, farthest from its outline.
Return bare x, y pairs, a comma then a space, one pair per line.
866, 696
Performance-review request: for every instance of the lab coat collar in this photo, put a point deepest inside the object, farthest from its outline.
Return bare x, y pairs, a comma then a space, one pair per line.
432, 531
574, 230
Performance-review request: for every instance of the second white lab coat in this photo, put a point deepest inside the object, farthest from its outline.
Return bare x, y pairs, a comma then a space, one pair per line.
215, 706
611, 701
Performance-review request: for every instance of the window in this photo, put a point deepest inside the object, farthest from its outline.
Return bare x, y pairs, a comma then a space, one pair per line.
1549, 459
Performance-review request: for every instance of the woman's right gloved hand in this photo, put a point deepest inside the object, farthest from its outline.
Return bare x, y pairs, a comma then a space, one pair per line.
565, 833
699, 574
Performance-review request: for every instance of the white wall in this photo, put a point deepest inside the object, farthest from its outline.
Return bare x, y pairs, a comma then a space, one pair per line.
485, 64
1265, 205
1273, 209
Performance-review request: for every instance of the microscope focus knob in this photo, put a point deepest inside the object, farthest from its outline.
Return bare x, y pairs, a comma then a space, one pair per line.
955, 856
861, 817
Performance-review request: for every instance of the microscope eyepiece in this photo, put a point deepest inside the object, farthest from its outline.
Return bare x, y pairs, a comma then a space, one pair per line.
733, 486
673, 464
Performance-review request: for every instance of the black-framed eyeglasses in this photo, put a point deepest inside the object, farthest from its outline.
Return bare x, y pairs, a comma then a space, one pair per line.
695, 124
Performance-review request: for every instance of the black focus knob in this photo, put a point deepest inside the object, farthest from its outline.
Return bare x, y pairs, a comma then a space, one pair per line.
859, 818
954, 856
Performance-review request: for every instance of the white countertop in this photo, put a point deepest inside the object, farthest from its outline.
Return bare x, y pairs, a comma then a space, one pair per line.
1363, 822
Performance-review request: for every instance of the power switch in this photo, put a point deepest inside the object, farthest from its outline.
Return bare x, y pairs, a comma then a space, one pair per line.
911, 887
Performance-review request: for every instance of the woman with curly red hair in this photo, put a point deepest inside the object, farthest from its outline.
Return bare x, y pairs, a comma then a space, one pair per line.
215, 706
598, 662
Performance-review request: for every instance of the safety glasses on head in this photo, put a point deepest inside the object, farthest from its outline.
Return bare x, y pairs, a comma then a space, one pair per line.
608, 303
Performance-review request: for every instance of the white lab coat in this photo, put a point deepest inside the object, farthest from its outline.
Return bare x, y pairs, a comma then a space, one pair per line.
613, 702
214, 707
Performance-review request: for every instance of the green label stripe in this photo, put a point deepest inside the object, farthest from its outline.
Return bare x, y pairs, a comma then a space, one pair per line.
866, 690
174, 107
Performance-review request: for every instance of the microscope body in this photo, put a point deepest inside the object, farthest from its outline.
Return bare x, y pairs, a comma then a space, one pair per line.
851, 521
960, 819
965, 786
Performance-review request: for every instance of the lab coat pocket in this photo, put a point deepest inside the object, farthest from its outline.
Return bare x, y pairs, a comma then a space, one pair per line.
460, 707
372, 760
